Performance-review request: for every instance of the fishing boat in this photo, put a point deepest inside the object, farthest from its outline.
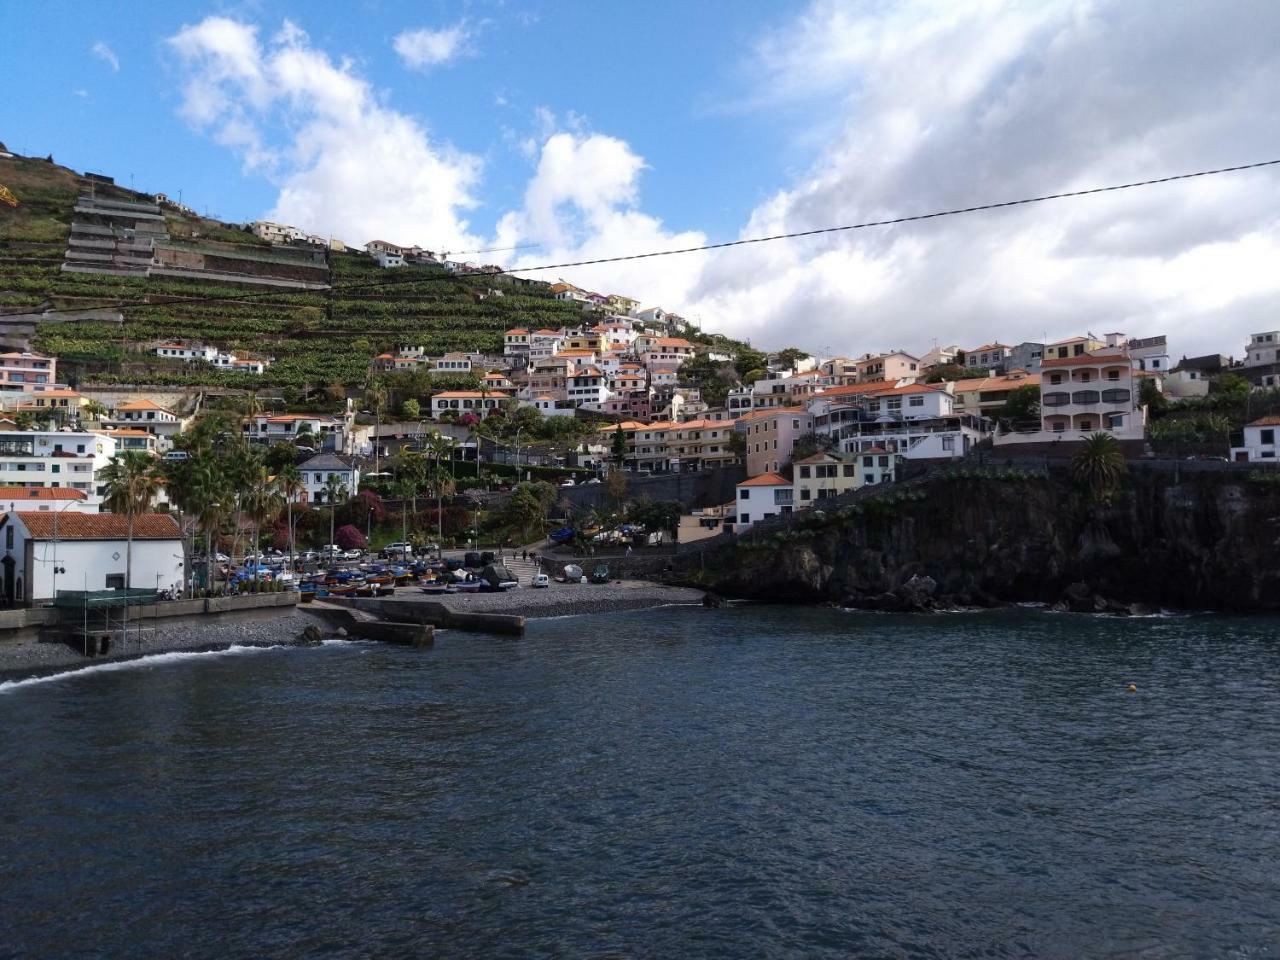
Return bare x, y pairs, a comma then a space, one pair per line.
435, 587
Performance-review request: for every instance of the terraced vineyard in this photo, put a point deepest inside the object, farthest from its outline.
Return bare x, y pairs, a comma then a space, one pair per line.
317, 338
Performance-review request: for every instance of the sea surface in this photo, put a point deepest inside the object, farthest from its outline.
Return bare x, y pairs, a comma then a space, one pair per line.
751, 782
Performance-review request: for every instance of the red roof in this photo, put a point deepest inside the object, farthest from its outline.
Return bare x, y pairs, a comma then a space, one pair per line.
1271, 421
767, 480
41, 493
73, 525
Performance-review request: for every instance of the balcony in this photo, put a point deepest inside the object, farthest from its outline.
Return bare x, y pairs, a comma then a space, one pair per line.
1059, 399
1116, 395
1085, 398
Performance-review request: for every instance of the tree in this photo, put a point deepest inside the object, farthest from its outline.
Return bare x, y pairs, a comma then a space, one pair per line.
281, 455
290, 485
411, 409
349, 537
615, 487
1022, 405
1149, 396
376, 397
806, 445
524, 510
334, 490
749, 360
947, 371
789, 357
1099, 465
92, 410
752, 375
204, 492
263, 502
131, 485
660, 515
618, 449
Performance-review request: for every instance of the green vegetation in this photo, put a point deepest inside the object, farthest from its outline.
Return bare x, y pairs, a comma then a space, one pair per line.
1098, 466
317, 338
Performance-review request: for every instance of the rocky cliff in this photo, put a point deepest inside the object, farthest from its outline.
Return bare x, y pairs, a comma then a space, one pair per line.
985, 537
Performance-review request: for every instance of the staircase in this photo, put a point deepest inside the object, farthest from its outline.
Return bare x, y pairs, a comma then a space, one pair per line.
523, 569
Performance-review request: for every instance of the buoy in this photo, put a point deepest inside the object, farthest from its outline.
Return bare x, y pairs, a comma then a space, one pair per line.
1133, 688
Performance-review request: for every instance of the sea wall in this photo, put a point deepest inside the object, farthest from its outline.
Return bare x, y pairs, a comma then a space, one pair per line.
991, 535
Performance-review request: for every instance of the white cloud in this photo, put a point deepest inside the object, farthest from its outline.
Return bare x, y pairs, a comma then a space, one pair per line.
106, 54
345, 163
926, 105
420, 49
582, 204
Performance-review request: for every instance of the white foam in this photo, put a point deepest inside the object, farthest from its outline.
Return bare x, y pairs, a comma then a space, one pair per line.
155, 660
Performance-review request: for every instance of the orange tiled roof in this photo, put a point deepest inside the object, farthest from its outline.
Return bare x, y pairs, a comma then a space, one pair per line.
767, 480
1271, 421
73, 525
41, 493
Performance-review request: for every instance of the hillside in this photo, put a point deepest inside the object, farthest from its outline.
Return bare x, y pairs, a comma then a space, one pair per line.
316, 337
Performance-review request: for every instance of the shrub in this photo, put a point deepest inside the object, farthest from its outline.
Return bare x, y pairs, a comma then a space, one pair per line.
349, 537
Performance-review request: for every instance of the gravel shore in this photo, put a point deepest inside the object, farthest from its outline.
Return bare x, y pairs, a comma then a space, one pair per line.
565, 599
26, 656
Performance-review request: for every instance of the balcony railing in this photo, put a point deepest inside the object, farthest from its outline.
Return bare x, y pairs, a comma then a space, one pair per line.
1085, 398
1055, 399
1116, 395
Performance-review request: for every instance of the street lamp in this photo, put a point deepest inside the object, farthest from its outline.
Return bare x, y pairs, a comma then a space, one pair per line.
54, 561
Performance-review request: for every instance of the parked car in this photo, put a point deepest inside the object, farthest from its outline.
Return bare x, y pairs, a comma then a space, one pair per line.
177, 455
594, 480
396, 551
352, 554
567, 482
540, 580
308, 556
221, 558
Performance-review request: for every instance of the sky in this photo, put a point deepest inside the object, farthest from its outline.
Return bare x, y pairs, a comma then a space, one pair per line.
578, 130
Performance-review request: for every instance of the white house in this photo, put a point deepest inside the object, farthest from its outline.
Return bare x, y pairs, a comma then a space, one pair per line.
145, 414
73, 550
761, 497
53, 458
388, 259
317, 471
453, 363
276, 232
186, 351
1259, 442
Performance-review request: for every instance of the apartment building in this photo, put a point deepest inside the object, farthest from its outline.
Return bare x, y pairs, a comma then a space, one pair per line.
22, 372
1084, 393
913, 420
56, 458
893, 366
147, 415
986, 395
769, 436
989, 356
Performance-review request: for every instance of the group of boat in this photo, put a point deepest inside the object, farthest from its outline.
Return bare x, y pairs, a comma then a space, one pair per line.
381, 580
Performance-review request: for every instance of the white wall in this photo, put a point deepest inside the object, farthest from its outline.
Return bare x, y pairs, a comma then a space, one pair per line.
92, 561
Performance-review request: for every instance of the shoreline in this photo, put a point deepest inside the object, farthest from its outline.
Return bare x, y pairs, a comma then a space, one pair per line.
28, 657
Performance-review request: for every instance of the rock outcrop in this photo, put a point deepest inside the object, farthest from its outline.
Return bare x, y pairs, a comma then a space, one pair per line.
987, 537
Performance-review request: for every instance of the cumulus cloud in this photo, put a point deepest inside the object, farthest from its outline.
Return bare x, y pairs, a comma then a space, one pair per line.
927, 105
107, 55
420, 49
345, 163
582, 203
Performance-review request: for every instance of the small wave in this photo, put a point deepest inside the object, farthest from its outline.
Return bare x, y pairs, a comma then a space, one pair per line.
153, 660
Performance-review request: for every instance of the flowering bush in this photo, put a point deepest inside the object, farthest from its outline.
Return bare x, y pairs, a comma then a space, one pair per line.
349, 537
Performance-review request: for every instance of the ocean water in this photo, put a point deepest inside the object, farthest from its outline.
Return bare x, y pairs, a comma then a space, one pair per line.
751, 782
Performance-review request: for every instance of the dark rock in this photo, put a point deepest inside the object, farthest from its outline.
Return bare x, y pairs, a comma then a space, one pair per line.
311, 636
713, 600
917, 593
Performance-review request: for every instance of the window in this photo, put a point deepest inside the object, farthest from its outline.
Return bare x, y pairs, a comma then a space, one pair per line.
949, 443
848, 470
8, 538
744, 494
1268, 436
884, 461
1055, 378
1086, 424
744, 518
804, 493
804, 471
869, 478
1059, 427
915, 401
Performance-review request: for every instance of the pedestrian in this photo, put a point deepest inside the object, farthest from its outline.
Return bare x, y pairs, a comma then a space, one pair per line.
524, 554
628, 553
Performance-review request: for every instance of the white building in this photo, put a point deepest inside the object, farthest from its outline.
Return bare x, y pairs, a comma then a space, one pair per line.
276, 232
317, 471
41, 499
144, 414
915, 421
1259, 442
55, 458
761, 497
453, 363
287, 427
1086, 393
388, 259
1262, 349
73, 550
186, 352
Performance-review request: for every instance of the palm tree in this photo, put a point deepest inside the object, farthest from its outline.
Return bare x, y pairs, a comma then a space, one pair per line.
131, 484
376, 397
290, 484
208, 496
1099, 465
334, 489
92, 410
263, 502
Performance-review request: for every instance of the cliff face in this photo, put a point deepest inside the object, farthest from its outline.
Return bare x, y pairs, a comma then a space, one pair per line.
1204, 541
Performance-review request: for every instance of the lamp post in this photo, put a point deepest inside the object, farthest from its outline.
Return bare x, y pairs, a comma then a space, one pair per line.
56, 571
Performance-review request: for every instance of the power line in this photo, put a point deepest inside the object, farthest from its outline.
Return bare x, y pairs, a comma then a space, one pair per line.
864, 225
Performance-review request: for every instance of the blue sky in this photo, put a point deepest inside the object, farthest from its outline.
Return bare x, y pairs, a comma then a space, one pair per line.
663, 76
579, 130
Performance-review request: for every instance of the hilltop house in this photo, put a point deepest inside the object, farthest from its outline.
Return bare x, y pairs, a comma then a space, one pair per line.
317, 471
